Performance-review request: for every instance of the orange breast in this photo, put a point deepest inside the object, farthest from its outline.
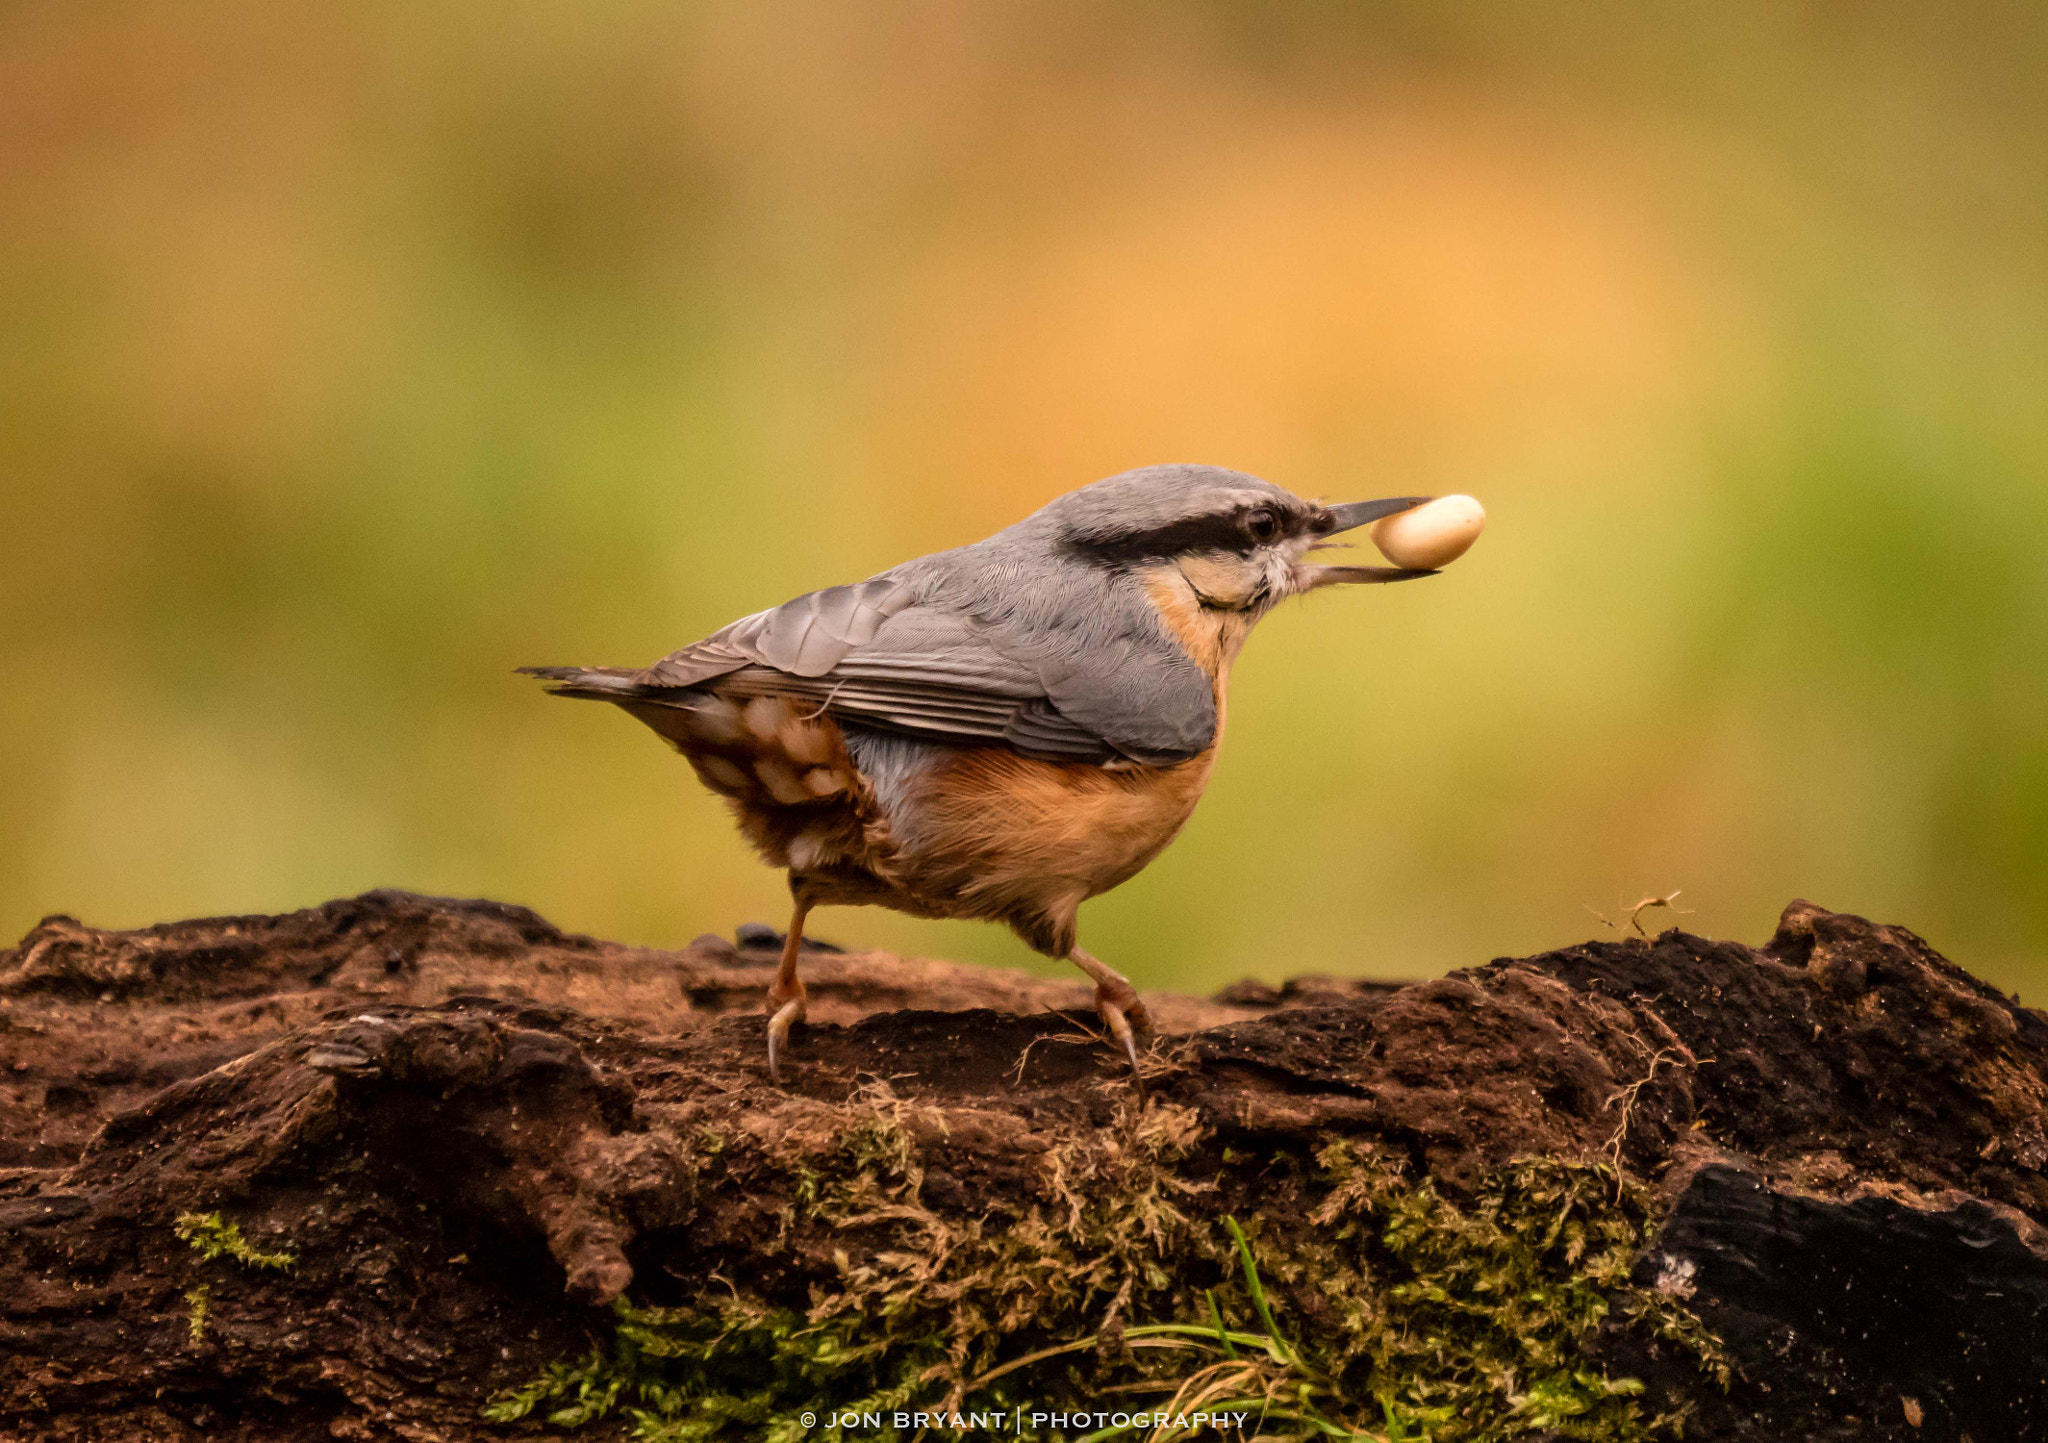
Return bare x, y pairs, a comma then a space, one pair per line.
990, 821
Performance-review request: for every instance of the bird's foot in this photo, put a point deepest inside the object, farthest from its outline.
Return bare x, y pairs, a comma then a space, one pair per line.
1124, 1013
789, 1010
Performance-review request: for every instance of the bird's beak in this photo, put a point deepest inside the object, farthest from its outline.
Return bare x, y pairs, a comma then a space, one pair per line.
1360, 513
1308, 578
1349, 517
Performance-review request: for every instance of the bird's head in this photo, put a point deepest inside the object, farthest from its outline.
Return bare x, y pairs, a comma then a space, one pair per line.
1239, 544
1213, 549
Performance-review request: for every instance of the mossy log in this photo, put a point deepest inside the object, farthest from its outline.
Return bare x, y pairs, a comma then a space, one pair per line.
1631, 1189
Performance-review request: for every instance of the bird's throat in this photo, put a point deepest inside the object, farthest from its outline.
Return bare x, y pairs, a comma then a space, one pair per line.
1211, 634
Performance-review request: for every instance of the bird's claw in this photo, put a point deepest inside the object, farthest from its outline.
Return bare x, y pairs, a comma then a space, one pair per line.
779, 1023
1129, 1022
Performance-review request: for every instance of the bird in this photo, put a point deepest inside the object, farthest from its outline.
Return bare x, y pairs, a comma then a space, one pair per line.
999, 731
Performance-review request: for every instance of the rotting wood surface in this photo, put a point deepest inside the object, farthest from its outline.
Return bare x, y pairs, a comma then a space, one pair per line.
474, 1131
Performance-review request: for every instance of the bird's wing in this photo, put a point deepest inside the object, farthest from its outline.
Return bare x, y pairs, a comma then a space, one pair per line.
806, 637
872, 655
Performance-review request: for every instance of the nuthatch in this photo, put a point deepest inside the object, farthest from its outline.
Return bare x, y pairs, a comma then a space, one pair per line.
999, 731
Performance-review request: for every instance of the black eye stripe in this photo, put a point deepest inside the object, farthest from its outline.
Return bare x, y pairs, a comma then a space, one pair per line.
1224, 531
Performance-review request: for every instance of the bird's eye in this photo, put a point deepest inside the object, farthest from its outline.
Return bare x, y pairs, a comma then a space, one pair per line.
1262, 525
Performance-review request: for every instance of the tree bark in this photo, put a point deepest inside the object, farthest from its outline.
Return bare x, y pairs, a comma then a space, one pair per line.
476, 1134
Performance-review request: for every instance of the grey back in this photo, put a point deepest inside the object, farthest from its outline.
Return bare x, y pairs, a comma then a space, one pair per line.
1029, 638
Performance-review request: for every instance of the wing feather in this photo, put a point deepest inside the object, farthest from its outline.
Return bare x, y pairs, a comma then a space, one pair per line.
870, 655
1101, 682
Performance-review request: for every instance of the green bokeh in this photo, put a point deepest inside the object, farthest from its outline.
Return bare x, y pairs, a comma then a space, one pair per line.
349, 359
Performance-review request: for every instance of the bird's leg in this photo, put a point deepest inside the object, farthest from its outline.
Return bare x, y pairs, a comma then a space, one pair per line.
1118, 1002
786, 997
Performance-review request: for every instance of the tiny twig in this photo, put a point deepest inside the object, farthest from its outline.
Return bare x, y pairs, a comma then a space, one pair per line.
1083, 1034
1634, 914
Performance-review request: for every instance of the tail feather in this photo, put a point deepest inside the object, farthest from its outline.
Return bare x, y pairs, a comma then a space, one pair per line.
597, 683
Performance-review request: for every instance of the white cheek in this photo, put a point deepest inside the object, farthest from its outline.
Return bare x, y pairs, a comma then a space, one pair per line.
1283, 567
1221, 580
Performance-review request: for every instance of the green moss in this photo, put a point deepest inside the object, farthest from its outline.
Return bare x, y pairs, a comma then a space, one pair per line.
1474, 1320
212, 1236
1413, 1316
725, 1369
197, 1303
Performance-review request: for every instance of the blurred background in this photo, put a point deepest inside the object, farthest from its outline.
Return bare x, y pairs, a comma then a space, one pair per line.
353, 355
